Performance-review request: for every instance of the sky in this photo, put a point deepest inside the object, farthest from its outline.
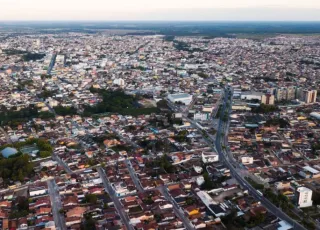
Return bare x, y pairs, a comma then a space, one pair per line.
164, 10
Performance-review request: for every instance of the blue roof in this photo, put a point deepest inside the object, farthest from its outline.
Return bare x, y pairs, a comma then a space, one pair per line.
7, 152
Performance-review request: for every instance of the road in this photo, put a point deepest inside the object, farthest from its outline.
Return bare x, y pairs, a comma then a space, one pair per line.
51, 65
56, 205
223, 156
62, 163
176, 208
115, 199
265, 202
133, 175
6, 135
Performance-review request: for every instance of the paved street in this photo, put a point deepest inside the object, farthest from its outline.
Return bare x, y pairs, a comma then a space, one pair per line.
134, 176
115, 199
216, 144
265, 202
176, 208
62, 163
6, 135
56, 205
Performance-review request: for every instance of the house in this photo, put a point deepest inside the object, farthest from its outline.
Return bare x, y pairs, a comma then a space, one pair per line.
111, 143
76, 212
43, 211
22, 223
70, 201
73, 220
165, 205
37, 191
209, 157
192, 210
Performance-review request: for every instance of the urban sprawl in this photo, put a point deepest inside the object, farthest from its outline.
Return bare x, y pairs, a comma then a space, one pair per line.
101, 131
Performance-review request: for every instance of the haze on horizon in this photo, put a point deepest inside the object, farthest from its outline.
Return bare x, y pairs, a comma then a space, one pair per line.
164, 10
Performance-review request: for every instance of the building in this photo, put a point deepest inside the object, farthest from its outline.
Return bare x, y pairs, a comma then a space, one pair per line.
304, 197
267, 99
280, 185
247, 160
119, 82
209, 157
309, 172
37, 191
281, 94
201, 116
291, 93
216, 209
180, 97
315, 115
251, 96
309, 96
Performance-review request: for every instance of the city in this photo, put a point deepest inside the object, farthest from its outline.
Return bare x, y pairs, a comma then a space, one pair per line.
109, 130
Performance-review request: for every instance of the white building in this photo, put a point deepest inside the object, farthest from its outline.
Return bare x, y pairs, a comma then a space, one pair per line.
315, 115
209, 157
60, 59
119, 82
49, 163
247, 160
201, 116
37, 191
200, 180
180, 97
251, 96
304, 197
52, 102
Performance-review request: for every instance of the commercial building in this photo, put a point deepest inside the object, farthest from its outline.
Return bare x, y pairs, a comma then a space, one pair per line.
267, 99
291, 93
251, 96
309, 96
281, 94
201, 116
304, 197
309, 172
180, 97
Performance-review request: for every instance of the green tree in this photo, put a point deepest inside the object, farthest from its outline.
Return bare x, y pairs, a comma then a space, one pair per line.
44, 154
208, 183
91, 198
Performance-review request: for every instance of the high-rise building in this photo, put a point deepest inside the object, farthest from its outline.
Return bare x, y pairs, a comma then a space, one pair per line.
291, 93
281, 94
267, 99
304, 197
299, 92
309, 96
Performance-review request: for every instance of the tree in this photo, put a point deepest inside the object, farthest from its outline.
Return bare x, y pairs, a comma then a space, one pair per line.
208, 183
44, 154
265, 109
91, 198
89, 224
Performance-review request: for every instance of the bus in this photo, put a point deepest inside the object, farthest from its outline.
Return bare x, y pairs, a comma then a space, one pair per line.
260, 193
